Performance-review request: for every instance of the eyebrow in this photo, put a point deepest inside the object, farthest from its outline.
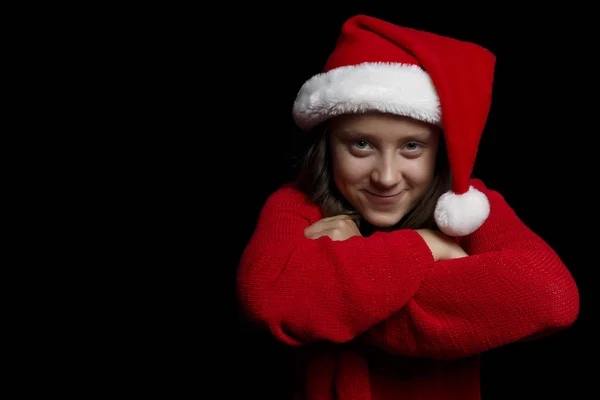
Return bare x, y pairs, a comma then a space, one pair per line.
347, 134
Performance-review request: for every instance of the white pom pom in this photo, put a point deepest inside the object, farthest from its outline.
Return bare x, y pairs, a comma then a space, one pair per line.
461, 214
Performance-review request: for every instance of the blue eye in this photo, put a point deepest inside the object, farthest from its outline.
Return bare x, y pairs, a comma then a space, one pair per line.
361, 144
412, 146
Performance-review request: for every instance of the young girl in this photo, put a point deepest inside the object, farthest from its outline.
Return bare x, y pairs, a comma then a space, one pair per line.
386, 266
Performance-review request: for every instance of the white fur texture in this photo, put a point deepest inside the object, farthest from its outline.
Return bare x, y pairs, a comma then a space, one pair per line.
401, 89
460, 215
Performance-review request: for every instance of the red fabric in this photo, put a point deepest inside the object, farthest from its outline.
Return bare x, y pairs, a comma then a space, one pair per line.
391, 322
462, 73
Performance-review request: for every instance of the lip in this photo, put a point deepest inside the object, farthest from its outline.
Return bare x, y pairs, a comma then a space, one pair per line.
383, 199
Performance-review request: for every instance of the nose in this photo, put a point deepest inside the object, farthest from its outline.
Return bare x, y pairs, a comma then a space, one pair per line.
387, 172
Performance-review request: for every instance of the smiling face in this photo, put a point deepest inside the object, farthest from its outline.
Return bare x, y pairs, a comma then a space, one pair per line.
383, 164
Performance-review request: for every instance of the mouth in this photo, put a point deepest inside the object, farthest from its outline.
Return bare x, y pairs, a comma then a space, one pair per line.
384, 198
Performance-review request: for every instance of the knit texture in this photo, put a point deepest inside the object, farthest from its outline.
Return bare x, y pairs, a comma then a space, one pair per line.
385, 292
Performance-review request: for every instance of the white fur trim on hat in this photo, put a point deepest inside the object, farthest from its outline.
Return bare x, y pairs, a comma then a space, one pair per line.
461, 214
402, 89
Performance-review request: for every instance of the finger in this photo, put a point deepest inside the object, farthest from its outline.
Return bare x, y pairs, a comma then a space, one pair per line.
312, 229
339, 223
336, 217
332, 233
317, 233
326, 223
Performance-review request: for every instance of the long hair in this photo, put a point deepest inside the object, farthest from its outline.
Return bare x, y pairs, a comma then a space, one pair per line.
315, 180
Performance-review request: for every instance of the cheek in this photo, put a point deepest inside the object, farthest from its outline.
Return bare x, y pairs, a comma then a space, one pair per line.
348, 169
420, 171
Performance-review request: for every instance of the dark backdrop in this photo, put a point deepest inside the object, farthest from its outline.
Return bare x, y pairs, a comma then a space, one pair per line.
236, 73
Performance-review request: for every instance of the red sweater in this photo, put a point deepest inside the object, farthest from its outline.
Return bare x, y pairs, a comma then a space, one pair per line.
377, 318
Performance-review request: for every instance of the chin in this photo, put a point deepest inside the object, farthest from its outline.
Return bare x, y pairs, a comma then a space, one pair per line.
382, 221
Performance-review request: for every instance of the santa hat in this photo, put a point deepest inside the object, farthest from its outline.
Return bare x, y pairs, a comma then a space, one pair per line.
379, 66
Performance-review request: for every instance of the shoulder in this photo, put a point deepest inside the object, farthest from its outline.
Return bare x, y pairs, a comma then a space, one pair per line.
498, 204
289, 198
288, 193
479, 185
485, 189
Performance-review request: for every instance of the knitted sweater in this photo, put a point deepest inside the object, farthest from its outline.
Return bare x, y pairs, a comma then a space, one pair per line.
377, 318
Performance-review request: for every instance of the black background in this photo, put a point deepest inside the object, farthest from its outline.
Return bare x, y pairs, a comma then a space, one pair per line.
231, 142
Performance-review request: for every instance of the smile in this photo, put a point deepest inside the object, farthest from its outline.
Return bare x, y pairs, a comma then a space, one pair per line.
384, 198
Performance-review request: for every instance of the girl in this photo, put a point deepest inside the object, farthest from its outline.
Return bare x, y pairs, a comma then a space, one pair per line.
385, 264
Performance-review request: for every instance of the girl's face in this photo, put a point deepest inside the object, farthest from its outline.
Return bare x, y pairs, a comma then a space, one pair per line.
382, 164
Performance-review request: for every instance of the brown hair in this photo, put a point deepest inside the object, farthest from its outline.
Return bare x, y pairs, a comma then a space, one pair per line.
315, 179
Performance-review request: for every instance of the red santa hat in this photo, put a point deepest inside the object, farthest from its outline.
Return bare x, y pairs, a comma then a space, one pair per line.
379, 66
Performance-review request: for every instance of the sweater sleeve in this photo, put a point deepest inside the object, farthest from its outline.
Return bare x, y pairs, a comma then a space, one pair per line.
306, 290
512, 287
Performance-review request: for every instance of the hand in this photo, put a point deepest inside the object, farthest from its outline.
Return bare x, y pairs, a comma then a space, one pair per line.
340, 227
443, 247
